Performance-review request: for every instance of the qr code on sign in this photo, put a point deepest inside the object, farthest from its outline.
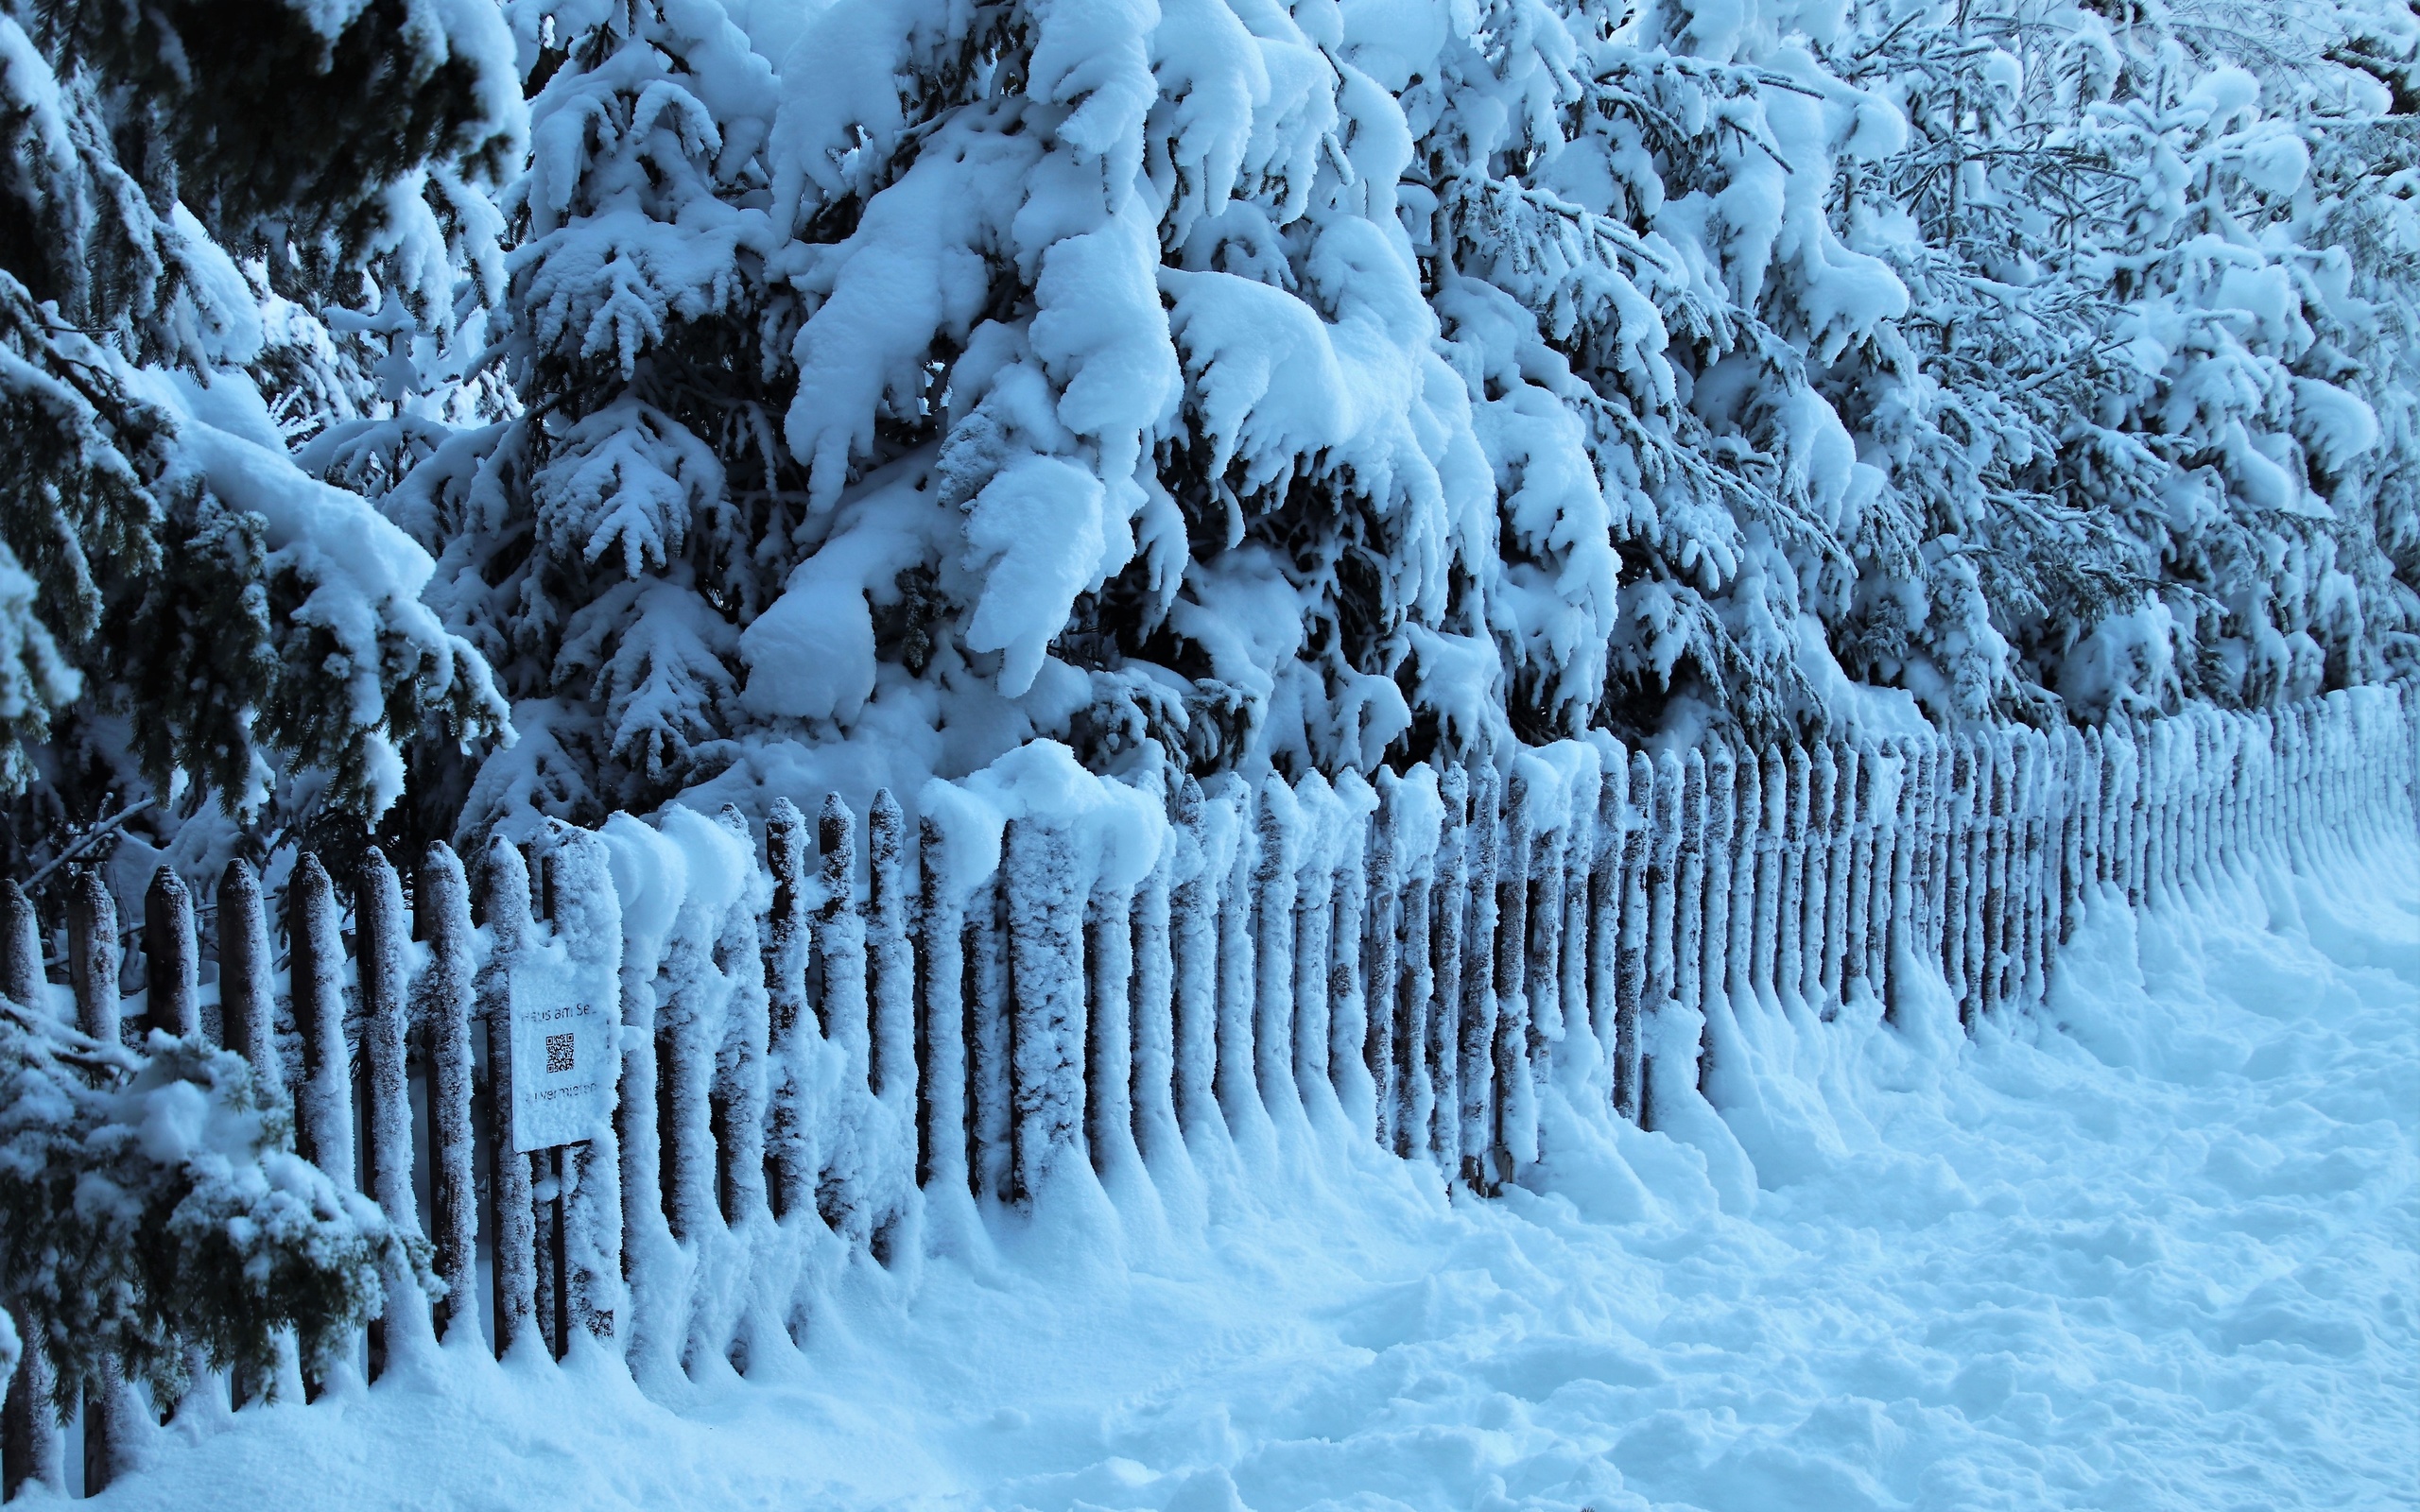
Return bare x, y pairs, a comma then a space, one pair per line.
558, 1052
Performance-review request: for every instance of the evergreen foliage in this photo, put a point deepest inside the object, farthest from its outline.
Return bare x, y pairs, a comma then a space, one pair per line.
180, 608
1245, 386
151, 1207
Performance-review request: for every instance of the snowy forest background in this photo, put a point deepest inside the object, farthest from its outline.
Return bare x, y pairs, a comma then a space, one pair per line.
423, 417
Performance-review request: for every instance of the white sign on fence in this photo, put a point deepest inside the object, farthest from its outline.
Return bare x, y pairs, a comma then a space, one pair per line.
566, 1057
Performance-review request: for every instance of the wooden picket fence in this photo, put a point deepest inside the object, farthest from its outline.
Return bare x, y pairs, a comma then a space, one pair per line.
826, 1038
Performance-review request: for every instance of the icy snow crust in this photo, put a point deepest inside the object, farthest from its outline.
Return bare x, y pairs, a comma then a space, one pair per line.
2154, 1248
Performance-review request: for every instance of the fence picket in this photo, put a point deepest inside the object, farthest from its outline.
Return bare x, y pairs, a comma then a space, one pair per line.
1157, 1132
172, 956
1486, 832
1443, 1053
443, 1000
513, 1219
1515, 1111
1633, 975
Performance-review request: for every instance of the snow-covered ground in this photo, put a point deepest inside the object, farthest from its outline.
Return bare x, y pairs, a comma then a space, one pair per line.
2157, 1249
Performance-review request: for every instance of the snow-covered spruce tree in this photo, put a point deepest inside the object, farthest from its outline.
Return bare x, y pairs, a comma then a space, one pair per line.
152, 1206
184, 614
603, 545
1458, 304
2161, 348
1234, 379
1307, 386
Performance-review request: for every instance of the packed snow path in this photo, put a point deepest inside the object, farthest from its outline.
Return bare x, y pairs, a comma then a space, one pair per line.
2155, 1249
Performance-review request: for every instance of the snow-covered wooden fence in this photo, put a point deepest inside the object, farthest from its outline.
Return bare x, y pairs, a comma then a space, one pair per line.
839, 1043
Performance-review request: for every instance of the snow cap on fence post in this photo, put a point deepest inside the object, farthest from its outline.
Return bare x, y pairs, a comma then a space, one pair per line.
1079, 832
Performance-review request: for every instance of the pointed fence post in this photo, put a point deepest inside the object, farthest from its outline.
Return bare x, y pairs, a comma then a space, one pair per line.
941, 1042
315, 939
1542, 991
790, 1140
1348, 1002
1275, 819
246, 1004
890, 958
1976, 924
1869, 862
1631, 971
442, 1000
585, 914
1722, 826
1415, 983
115, 1425
1450, 903
1193, 942
1747, 811
1515, 1140
1478, 1015
1314, 936
22, 980
33, 1449
1789, 929
1839, 848
1158, 1132
382, 937
1662, 892
1046, 974
172, 960
989, 1025
1385, 970
1575, 1052
1817, 979
1238, 996
513, 1219
841, 941
1109, 1027
1899, 943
